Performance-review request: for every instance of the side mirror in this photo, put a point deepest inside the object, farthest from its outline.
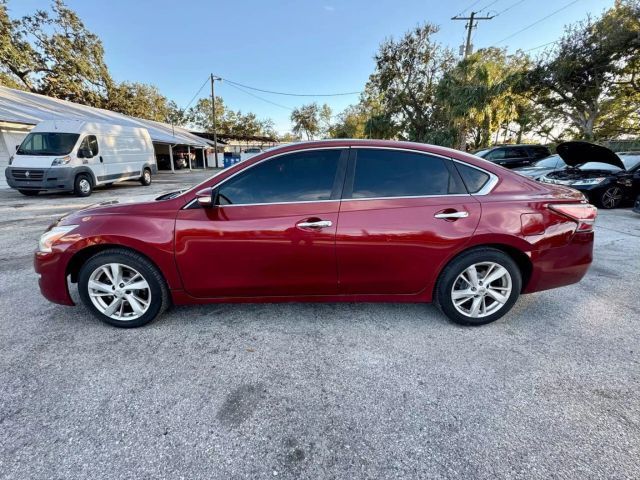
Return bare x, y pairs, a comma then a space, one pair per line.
85, 153
206, 197
17, 147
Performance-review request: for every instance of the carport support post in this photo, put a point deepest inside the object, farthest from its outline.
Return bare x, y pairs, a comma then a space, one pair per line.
173, 170
189, 155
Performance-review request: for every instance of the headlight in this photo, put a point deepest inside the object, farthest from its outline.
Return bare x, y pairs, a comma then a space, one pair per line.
589, 181
61, 161
52, 236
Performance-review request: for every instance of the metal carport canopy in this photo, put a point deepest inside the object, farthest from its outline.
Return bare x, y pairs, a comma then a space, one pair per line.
17, 106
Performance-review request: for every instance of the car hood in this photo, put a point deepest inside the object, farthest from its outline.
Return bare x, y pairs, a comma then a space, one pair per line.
576, 153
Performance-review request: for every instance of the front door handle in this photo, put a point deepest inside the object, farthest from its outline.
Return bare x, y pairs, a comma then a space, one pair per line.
447, 215
101, 159
316, 224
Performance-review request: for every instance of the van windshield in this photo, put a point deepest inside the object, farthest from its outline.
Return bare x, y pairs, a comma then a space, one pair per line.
42, 143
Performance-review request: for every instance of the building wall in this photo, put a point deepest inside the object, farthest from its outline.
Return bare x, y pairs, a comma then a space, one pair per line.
10, 137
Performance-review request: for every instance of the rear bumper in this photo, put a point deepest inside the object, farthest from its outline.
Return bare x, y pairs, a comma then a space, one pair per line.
561, 266
53, 278
22, 178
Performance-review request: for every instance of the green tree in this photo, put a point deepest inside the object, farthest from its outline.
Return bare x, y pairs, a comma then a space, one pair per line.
139, 100
480, 96
590, 78
307, 120
407, 74
52, 53
227, 121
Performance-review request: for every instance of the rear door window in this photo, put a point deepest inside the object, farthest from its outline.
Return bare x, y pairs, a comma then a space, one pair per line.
394, 173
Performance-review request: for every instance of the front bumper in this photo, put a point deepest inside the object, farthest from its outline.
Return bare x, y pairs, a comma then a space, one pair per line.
51, 266
23, 178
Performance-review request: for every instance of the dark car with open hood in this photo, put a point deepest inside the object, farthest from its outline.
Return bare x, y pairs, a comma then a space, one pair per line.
605, 178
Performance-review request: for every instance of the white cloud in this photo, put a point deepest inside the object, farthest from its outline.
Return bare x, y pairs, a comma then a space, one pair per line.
329, 8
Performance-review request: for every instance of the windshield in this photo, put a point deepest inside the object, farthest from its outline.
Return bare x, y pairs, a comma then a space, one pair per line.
630, 161
42, 143
554, 161
481, 153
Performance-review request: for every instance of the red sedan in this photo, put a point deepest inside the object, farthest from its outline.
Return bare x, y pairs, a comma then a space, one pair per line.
329, 221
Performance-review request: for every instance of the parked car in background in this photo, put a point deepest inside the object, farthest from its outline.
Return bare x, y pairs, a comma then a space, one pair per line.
343, 220
76, 156
514, 156
605, 178
540, 168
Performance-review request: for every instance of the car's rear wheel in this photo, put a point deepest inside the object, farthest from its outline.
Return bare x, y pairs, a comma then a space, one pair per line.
122, 288
29, 193
611, 197
478, 286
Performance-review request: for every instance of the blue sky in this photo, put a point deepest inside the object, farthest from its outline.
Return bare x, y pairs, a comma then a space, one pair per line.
302, 46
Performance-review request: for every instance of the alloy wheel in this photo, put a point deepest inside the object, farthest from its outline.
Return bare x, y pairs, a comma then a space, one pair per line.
611, 197
119, 291
481, 289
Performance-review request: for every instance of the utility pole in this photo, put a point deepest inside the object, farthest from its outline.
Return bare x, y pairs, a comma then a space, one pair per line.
470, 26
213, 118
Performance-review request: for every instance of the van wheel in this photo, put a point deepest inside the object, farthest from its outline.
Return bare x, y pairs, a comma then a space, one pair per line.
29, 193
478, 287
122, 288
145, 179
83, 185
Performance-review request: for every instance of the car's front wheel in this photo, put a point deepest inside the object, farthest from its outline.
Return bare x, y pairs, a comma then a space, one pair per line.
122, 288
478, 286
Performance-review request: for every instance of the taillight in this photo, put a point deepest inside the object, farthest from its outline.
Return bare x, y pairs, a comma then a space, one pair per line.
582, 213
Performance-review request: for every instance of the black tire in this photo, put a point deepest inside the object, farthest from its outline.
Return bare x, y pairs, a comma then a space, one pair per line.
159, 292
83, 185
29, 193
145, 179
449, 275
611, 197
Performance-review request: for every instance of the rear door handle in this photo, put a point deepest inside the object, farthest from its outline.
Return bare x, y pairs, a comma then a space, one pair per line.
446, 215
316, 224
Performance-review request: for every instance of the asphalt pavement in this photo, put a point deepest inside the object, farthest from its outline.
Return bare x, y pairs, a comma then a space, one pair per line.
319, 391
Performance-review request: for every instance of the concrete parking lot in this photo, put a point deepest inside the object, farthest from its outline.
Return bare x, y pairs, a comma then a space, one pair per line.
319, 390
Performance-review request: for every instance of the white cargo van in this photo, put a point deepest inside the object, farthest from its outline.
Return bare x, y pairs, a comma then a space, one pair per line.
76, 156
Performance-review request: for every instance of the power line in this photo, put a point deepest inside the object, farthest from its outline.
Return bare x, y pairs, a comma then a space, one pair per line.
538, 21
291, 94
509, 7
470, 6
487, 6
260, 98
540, 46
197, 93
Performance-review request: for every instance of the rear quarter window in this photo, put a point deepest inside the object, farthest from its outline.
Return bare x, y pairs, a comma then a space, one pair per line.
473, 178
